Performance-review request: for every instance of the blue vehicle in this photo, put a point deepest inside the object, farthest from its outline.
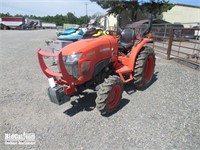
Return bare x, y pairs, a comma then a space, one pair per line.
69, 31
74, 36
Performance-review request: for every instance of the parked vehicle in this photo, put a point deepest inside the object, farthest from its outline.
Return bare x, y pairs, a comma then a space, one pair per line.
188, 34
69, 31
73, 36
29, 24
164, 32
177, 31
1, 25
197, 32
89, 33
103, 64
19, 23
66, 31
47, 25
37, 23
82, 33
12, 22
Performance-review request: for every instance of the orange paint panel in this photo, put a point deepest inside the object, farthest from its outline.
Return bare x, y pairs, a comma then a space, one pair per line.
135, 51
93, 50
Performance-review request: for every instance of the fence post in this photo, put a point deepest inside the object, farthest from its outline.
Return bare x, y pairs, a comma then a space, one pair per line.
171, 37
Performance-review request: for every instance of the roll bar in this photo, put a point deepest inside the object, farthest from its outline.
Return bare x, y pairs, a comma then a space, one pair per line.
148, 29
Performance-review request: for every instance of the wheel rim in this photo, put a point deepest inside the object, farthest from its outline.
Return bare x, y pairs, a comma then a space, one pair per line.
114, 96
149, 67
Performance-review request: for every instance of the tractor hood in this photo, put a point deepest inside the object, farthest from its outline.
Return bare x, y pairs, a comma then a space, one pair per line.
96, 45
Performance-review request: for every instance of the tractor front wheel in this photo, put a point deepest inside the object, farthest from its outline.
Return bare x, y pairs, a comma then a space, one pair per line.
109, 95
144, 68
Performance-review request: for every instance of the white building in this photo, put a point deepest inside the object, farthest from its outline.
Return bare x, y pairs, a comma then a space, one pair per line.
187, 15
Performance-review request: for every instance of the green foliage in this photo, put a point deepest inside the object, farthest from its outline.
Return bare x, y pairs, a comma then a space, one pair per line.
71, 18
156, 7
5, 15
118, 6
83, 20
58, 19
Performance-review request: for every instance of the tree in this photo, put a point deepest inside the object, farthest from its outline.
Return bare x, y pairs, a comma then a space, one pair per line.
5, 15
83, 20
71, 18
156, 8
58, 19
118, 6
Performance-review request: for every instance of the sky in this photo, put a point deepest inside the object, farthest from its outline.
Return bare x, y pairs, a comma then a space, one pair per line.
50, 7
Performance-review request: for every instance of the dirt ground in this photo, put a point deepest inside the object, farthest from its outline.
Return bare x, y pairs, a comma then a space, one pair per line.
164, 116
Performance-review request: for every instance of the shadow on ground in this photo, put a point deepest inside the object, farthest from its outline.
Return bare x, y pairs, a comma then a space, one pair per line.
122, 103
87, 103
187, 63
130, 87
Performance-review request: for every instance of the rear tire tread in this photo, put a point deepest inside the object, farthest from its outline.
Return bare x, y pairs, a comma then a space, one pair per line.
138, 74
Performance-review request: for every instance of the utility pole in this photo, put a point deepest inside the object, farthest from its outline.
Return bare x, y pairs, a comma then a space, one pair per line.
86, 7
86, 10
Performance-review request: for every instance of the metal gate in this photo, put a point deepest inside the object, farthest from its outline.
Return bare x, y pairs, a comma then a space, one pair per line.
178, 43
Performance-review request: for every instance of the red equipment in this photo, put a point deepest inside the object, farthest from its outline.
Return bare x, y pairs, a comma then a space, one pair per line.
105, 62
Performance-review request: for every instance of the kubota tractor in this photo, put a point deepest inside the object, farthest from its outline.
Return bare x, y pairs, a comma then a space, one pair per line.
106, 63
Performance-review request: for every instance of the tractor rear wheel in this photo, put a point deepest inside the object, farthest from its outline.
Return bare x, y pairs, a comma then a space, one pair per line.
109, 95
144, 68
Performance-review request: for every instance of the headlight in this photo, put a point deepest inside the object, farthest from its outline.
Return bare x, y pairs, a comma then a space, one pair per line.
71, 64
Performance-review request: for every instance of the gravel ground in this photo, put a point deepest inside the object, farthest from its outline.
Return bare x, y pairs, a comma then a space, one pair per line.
164, 116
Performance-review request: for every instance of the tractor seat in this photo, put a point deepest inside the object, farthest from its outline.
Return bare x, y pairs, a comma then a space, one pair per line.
125, 43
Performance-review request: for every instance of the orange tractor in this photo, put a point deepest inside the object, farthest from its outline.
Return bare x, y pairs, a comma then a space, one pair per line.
105, 63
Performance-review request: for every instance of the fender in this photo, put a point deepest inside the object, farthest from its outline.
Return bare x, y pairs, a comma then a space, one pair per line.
135, 50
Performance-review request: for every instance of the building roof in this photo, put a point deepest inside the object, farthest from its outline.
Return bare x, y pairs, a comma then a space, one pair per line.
187, 5
146, 21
